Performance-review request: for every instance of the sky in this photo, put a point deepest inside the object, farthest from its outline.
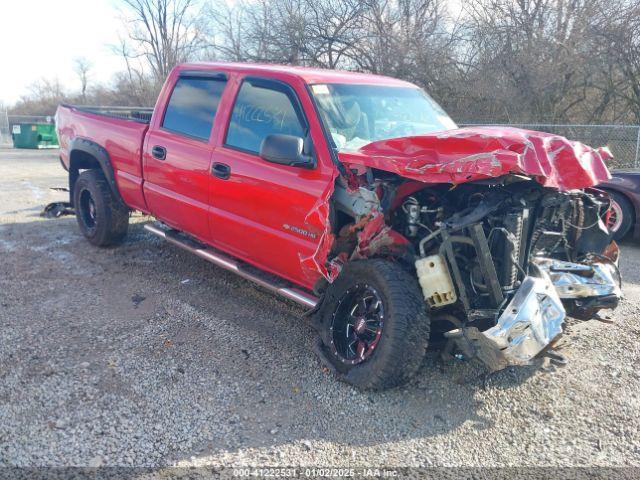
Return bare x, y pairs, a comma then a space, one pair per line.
41, 39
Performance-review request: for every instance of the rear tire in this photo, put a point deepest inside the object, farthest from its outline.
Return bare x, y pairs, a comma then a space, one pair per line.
374, 325
103, 219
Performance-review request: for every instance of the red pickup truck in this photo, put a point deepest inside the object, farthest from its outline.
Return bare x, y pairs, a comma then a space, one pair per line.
357, 197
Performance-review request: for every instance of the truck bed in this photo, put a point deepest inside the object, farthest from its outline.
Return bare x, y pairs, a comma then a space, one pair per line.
118, 130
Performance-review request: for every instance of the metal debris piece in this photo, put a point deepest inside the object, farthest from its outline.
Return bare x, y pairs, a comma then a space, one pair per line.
578, 280
57, 209
531, 321
533, 318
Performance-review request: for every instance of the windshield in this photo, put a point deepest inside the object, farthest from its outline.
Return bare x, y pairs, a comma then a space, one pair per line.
360, 114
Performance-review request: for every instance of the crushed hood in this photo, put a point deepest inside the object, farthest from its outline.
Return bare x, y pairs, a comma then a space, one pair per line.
469, 154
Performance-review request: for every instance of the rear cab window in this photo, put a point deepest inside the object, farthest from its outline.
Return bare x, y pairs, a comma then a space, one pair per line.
263, 107
193, 105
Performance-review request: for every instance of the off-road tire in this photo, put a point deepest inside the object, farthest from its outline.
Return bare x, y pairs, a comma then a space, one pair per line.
106, 222
405, 331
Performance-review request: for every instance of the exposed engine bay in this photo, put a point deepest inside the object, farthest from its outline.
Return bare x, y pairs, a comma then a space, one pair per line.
501, 262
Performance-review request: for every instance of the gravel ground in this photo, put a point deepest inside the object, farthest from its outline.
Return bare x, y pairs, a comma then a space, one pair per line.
145, 355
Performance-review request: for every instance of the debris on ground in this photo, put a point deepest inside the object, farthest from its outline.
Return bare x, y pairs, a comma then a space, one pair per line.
57, 209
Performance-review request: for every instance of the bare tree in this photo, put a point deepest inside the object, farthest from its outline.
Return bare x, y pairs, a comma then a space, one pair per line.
534, 54
618, 48
163, 33
47, 89
410, 39
336, 27
82, 66
229, 21
277, 31
43, 98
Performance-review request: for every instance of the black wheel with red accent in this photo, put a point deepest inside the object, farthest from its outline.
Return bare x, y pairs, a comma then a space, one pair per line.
374, 325
356, 326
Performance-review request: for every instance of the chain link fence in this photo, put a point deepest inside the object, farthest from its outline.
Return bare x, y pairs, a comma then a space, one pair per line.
622, 140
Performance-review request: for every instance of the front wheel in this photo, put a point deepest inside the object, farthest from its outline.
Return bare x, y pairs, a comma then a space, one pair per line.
374, 324
103, 219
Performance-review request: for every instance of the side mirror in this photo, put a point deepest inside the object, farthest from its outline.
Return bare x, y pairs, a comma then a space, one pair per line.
285, 150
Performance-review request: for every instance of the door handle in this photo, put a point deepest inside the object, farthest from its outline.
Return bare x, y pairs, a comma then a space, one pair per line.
221, 170
159, 152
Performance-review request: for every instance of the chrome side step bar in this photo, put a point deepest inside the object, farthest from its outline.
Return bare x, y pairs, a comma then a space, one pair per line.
173, 236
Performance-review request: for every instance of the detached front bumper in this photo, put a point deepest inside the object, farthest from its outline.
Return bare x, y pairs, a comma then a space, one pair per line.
531, 321
533, 318
535, 315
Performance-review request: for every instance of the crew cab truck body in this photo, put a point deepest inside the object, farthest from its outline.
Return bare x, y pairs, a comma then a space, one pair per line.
357, 196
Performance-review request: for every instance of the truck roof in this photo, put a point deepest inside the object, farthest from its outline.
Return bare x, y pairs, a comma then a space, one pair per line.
307, 74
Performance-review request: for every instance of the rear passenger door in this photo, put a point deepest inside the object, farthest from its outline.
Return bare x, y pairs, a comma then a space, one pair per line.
177, 153
260, 211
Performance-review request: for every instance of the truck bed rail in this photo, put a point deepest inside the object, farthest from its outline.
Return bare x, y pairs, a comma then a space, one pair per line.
136, 114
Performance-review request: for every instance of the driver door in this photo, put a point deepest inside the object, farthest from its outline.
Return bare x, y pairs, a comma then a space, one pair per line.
260, 211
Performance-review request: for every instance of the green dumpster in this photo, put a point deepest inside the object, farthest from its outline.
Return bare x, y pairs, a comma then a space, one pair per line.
34, 135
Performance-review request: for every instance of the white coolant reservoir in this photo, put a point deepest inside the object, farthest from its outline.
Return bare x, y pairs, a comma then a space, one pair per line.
435, 281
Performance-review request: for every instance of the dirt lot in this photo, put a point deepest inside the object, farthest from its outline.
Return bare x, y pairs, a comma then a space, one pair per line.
144, 355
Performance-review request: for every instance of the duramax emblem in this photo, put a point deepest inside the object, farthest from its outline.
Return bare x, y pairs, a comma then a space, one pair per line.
299, 231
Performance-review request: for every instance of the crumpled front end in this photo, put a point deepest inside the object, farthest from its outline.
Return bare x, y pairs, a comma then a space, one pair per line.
478, 153
581, 280
500, 226
510, 260
451, 158
535, 316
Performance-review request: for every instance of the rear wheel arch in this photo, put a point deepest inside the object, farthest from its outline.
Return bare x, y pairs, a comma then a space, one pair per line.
88, 155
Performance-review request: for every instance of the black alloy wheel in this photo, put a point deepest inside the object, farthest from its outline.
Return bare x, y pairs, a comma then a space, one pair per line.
357, 324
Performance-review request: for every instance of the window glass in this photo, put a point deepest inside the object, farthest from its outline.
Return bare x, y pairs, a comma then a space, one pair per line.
193, 106
259, 112
357, 115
